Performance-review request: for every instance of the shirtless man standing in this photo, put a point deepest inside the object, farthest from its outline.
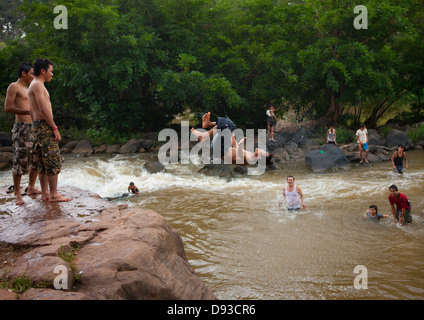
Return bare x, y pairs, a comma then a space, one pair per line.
45, 131
22, 141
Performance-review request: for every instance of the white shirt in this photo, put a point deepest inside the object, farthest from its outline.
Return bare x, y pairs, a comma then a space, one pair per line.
292, 198
362, 134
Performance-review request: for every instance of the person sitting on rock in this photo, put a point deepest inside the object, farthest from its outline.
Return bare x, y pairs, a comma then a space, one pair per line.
235, 152
132, 188
331, 135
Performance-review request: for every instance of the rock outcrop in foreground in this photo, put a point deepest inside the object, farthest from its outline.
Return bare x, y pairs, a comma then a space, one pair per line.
115, 252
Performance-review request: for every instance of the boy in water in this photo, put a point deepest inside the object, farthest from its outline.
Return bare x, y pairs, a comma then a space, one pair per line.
235, 152
372, 213
132, 188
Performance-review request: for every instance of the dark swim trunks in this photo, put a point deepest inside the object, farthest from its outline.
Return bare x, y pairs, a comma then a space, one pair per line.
270, 122
23, 148
46, 148
223, 124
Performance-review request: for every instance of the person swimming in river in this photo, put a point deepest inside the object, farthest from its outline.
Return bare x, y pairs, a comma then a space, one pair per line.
235, 151
132, 188
372, 213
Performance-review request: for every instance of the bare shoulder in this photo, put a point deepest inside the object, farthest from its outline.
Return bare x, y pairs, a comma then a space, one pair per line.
36, 87
12, 88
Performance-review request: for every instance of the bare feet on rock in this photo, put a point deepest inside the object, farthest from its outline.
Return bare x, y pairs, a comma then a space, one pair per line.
33, 191
59, 198
19, 200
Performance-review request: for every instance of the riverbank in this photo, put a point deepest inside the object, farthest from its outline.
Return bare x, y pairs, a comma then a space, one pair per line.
292, 142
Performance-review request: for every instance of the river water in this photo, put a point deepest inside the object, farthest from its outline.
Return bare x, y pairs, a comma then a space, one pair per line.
244, 246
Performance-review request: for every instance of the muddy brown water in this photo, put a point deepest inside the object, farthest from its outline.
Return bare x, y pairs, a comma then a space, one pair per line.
244, 246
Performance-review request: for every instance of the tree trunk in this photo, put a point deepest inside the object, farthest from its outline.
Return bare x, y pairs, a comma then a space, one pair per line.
335, 108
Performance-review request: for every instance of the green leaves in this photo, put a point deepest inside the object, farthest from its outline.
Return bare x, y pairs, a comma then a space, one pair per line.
127, 65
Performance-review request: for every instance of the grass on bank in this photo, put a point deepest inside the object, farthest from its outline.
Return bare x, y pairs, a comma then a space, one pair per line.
23, 283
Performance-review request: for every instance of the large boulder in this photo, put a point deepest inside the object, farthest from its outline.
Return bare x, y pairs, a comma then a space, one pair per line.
396, 137
374, 138
154, 166
83, 147
220, 170
5, 139
288, 133
328, 157
113, 252
68, 147
100, 149
280, 157
146, 144
114, 148
131, 146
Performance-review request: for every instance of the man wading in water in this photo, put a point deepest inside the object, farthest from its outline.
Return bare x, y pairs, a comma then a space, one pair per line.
293, 195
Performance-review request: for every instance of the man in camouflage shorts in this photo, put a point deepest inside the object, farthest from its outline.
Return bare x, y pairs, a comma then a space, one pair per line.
47, 154
23, 148
22, 141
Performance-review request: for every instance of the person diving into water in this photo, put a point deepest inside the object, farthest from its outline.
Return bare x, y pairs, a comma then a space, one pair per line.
234, 151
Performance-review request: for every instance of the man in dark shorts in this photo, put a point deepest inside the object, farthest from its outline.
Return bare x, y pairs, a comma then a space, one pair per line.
401, 208
46, 132
220, 129
270, 121
22, 140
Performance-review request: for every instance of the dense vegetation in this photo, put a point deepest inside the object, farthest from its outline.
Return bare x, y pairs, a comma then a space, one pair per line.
129, 66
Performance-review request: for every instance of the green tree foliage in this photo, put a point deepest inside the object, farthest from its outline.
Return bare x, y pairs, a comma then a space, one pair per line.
128, 65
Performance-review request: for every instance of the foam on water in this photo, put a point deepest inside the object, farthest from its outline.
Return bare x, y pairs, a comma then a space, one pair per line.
235, 234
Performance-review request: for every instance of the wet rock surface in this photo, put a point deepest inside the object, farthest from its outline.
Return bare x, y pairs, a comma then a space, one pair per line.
117, 252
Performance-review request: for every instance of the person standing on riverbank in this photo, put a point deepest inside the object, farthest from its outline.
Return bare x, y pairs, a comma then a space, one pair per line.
270, 121
397, 159
16, 102
293, 195
46, 132
401, 207
362, 137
